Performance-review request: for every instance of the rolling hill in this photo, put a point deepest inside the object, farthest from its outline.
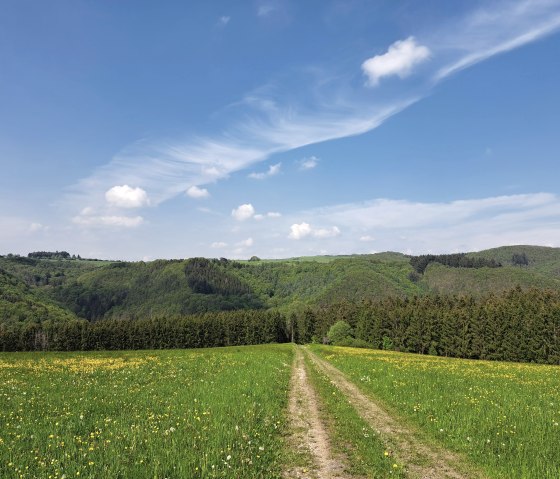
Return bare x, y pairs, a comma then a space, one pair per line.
70, 288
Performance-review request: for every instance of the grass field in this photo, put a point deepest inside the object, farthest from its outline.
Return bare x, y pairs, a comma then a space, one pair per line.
503, 416
149, 414
223, 413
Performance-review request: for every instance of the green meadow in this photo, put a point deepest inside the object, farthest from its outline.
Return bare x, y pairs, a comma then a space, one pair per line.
205, 413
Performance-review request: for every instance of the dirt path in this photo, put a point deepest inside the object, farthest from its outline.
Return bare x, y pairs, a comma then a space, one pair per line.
422, 461
309, 435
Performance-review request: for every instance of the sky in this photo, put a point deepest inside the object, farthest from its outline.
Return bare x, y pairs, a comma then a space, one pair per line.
140, 130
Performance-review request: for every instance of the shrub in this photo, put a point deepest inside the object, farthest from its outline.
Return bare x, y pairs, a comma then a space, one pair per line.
339, 332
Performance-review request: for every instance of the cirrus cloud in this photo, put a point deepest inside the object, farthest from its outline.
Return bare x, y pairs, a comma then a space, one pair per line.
116, 221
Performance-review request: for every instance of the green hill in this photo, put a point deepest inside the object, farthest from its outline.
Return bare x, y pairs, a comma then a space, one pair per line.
66, 288
19, 303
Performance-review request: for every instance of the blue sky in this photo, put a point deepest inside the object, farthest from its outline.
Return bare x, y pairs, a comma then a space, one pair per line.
142, 130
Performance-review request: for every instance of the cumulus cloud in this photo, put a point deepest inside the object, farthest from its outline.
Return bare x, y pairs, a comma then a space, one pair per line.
243, 212
367, 238
308, 163
400, 59
273, 170
115, 221
218, 245
303, 230
126, 197
197, 193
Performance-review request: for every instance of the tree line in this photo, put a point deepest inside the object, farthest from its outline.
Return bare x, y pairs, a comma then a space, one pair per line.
231, 328
458, 260
518, 325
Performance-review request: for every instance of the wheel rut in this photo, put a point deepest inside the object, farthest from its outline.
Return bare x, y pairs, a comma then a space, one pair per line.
422, 461
308, 433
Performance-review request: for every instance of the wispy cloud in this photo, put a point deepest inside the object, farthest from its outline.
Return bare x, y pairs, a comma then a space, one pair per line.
273, 170
116, 221
494, 29
465, 225
224, 20
308, 163
271, 120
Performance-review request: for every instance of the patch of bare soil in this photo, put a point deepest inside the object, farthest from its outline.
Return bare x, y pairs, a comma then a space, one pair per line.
422, 461
309, 435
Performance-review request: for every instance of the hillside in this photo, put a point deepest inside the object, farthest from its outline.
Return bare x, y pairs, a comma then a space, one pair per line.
20, 302
69, 288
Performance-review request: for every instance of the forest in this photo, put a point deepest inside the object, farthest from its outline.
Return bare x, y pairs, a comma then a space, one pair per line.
495, 304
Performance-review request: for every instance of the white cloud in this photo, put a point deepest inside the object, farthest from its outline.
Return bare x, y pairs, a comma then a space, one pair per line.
243, 212
246, 243
116, 221
218, 245
461, 225
224, 20
197, 193
298, 231
266, 9
302, 230
493, 30
326, 232
271, 120
308, 163
36, 227
400, 59
270, 214
366, 238
126, 197
273, 170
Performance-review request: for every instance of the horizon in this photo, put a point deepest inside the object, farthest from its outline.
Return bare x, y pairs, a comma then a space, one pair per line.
279, 130
78, 256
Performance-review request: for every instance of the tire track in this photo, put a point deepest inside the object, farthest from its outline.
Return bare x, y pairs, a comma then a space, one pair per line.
423, 461
309, 435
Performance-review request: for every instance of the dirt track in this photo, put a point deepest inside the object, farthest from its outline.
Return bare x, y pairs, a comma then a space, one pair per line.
422, 461
309, 435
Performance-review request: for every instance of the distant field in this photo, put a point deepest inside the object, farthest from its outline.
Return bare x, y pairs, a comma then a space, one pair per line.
503, 416
150, 414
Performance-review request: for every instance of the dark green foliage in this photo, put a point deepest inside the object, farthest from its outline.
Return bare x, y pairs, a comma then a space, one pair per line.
519, 259
448, 310
21, 304
459, 260
49, 255
198, 331
517, 325
207, 276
